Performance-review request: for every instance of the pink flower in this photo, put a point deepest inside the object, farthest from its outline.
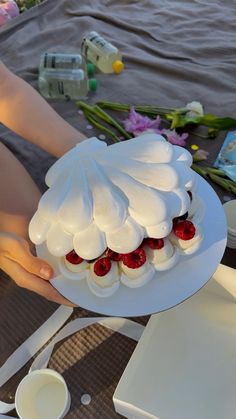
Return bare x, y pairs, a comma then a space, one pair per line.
8, 10
4, 17
137, 124
200, 155
174, 138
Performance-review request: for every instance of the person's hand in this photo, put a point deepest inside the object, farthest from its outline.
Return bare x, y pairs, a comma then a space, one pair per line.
26, 270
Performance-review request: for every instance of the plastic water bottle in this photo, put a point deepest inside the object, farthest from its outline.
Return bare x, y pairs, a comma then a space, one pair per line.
56, 60
101, 53
65, 84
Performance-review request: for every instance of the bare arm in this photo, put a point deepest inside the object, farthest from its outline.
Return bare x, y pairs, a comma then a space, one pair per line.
25, 112
19, 198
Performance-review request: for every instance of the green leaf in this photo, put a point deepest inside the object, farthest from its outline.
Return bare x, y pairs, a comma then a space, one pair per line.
213, 121
207, 120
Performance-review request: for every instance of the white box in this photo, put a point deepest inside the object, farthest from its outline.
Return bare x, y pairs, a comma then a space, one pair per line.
184, 366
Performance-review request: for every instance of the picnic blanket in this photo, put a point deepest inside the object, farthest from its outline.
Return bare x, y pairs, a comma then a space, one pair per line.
175, 51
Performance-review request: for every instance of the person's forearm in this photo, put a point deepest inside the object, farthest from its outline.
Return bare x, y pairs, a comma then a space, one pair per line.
25, 112
19, 195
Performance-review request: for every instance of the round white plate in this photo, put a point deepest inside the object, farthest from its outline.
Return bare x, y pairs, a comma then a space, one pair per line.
168, 288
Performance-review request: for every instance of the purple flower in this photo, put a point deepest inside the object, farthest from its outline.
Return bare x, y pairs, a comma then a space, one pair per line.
8, 10
200, 155
174, 138
137, 124
4, 17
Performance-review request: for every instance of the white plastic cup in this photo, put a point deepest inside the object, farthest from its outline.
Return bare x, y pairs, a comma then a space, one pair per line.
230, 244
231, 237
230, 212
42, 394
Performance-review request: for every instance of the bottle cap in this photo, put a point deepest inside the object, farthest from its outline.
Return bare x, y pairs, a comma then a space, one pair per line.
90, 69
93, 85
118, 66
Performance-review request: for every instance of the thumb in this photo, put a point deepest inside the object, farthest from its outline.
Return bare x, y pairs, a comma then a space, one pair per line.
20, 253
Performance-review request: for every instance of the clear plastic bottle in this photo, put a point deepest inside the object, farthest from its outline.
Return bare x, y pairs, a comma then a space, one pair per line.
65, 84
57, 60
101, 53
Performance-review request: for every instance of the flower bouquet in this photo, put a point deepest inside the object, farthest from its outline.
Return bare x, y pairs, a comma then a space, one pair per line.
168, 122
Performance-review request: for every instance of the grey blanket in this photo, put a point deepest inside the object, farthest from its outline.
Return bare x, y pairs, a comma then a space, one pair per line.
175, 51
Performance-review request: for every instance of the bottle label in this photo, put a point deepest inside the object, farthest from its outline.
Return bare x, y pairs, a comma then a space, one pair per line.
96, 46
63, 84
62, 61
90, 54
56, 88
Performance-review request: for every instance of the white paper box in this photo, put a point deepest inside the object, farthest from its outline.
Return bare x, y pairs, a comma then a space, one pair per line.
184, 366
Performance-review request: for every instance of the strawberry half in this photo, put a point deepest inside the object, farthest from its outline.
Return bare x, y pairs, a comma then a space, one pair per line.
113, 255
180, 218
73, 258
153, 243
102, 266
185, 230
134, 259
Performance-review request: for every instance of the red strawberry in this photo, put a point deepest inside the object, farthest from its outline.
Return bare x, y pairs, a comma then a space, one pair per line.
113, 255
153, 243
185, 230
102, 266
180, 218
134, 259
190, 195
73, 258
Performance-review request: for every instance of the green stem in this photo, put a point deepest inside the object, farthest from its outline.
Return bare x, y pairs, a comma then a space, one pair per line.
145, 109
89, 113
200, 170
103, 115
97, 111
229, 186
215, 171
225, 184
97, 124
84, 106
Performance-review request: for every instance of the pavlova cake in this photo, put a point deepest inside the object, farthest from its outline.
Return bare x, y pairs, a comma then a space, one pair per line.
118, 215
